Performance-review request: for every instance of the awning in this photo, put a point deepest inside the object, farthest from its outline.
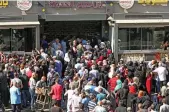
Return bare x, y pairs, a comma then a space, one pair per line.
78, 17
19, 23
143, 21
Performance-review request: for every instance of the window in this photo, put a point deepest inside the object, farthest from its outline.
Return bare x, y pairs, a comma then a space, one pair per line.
142, 38
17, 39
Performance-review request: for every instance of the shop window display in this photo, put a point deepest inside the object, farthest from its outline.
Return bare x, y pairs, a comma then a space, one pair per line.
143, 38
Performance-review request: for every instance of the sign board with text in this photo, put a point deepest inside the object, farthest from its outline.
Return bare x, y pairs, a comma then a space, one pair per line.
74, 4
3, 3
153, 2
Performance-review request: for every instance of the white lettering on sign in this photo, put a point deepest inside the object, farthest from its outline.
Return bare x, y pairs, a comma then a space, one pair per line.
75, 4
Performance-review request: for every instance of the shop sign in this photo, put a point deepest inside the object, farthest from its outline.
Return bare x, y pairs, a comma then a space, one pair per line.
126, 4
71, 4
3, 3
24, 5
153, 2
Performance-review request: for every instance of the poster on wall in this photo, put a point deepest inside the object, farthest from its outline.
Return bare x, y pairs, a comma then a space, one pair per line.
24, 5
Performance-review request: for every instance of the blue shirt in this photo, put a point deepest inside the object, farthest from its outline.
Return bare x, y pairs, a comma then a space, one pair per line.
100, 97
55, 45
15, 95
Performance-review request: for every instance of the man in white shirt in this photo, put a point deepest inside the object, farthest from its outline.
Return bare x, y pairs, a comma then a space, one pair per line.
76, 102
69, 95
43, 54
164, 107
161, 72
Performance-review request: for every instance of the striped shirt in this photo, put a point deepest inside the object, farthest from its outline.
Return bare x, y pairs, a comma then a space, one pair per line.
91, 105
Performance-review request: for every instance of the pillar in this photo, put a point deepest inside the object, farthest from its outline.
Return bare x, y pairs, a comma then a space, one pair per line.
114, 40
37, 38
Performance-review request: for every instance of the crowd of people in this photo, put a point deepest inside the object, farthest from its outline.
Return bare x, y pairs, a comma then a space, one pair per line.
83, 77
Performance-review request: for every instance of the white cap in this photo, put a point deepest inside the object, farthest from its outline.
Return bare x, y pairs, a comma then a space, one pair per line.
54, 57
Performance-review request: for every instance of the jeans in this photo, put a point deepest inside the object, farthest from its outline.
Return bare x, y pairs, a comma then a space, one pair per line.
16, 107
25, 97
32, 93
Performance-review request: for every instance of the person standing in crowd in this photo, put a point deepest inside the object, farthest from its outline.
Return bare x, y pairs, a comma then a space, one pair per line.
56, 92
44, 43
56, 44
161, 72
3, 87
15, 96
121, 107
164, 107
17, 80
32, 87
56, 108
25, 97
76, 105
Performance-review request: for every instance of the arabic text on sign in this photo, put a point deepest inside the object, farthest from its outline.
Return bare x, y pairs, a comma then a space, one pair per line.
153, 2
3, 3
75, 4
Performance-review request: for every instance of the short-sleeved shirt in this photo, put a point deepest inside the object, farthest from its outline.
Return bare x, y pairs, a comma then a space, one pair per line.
15, 95
57, 92
100, 96
17, 80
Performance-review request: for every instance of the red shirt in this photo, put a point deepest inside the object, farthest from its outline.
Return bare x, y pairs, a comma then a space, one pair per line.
112, 83
29, 74
57, 92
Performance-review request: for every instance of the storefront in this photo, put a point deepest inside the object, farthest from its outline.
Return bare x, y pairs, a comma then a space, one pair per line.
75, 18
19, 26
139, 30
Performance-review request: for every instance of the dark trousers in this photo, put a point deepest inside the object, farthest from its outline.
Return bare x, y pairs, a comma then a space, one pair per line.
5, 97
56, 101
25, 97
16, 107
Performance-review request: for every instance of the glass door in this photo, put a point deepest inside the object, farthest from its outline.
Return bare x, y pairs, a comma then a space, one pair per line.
5, 37
17, 39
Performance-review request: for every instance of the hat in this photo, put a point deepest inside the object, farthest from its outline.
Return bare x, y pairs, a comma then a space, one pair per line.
54, 57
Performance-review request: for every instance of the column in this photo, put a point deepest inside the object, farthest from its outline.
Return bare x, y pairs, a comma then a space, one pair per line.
37, 38
114, 40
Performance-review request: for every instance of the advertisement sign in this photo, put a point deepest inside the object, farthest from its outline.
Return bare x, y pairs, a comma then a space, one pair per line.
126, 4
71, 4
24, 5
153, 2
3, 3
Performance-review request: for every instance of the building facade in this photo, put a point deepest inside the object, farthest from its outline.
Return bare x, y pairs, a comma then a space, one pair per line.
19, 26
139, 29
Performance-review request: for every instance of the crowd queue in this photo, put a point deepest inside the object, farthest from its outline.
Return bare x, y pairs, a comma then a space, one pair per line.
83, 77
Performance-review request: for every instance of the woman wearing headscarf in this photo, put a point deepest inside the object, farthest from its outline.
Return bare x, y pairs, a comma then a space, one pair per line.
118, 84
149, 82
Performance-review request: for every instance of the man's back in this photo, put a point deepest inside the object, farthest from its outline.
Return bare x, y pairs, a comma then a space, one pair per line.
15, 95
120, 109
57, 91
164, 108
